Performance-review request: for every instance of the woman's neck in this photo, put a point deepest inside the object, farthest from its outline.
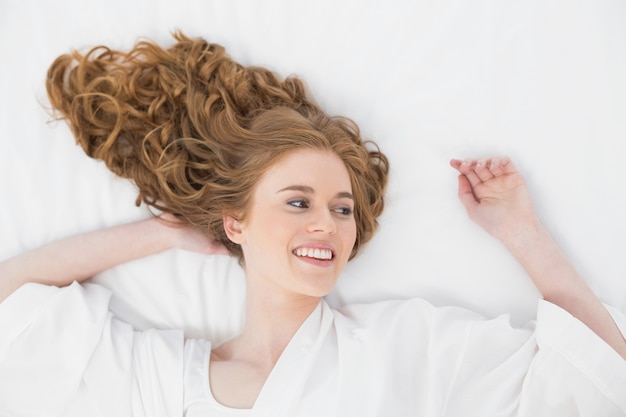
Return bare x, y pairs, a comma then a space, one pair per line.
272, 319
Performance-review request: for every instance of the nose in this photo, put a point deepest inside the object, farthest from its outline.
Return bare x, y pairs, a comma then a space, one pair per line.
322, 221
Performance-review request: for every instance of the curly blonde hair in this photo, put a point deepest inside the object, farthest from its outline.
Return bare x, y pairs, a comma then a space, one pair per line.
195, 130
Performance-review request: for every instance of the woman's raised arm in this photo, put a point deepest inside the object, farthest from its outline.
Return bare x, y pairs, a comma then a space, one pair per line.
79, 257
496, 198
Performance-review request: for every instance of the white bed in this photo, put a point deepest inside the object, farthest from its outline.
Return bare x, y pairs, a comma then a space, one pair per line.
540, 81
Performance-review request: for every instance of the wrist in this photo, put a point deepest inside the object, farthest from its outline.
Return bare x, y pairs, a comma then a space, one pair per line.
163, 235
525, 237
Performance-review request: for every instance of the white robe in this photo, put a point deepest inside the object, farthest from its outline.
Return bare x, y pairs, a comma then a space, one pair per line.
62, 353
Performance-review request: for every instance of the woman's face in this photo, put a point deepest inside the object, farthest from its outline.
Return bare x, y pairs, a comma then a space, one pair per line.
300, 228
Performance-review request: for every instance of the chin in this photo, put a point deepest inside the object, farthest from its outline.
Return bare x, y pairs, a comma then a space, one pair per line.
320, 291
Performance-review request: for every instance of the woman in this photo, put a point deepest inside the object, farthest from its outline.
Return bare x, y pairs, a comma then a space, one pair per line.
242, 162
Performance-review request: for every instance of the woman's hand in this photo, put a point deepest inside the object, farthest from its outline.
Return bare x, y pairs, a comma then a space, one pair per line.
186, 238
495, 197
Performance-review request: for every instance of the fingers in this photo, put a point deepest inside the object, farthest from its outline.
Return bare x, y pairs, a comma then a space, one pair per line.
481, 170
500, 166
466, 195
472, 170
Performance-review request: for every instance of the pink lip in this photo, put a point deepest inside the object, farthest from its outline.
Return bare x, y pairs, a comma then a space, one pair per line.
316, 262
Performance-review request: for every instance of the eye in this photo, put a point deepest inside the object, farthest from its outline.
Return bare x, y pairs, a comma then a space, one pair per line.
300, 203
344, 211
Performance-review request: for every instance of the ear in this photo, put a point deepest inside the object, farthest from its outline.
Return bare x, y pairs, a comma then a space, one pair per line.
233, 229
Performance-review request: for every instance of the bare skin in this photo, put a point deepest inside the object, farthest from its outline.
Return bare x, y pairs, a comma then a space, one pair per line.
79, 257
492, 191
314, 210
496, 198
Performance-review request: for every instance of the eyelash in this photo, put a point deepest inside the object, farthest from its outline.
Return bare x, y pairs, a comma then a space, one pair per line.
344, 211
301, 203
304, 204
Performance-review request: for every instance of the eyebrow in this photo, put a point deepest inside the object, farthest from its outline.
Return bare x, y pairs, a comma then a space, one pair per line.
310, 190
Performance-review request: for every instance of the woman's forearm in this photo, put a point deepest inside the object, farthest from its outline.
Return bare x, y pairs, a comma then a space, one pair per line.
82, 256
496, 198
560, 284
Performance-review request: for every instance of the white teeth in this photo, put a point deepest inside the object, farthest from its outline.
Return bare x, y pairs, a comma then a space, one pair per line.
314, 253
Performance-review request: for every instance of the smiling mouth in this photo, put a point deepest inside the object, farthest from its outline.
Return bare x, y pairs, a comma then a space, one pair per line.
314, 253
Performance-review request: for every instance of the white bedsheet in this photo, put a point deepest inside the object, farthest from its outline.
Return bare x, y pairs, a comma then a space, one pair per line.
541, 81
